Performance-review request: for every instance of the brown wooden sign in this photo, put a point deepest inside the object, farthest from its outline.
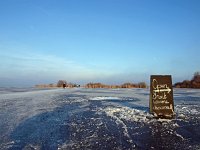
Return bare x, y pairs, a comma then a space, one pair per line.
161, 96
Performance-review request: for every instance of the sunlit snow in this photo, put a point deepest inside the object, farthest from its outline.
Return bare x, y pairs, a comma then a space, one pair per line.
95, 119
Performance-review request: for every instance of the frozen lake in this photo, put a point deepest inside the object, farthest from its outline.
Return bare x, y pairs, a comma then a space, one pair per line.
96, 119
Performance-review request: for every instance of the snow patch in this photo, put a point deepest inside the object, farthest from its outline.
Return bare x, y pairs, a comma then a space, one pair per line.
129, 114
164, 120
104, 98
180, 136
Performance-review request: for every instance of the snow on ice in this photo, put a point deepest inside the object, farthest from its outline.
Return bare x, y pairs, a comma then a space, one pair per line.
95, 119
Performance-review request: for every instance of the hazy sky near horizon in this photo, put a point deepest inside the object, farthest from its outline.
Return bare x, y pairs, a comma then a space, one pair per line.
110, 41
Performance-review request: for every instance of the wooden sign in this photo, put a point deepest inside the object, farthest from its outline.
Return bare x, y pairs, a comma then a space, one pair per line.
161, 96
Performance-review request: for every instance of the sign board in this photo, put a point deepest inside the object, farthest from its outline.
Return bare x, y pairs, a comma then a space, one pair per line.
161, 96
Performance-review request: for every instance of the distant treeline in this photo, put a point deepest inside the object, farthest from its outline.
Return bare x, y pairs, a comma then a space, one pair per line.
194, 83
125, 85
46, 85
60, 84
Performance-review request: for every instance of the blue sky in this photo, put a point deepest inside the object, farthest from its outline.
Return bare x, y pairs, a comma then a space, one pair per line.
109, 41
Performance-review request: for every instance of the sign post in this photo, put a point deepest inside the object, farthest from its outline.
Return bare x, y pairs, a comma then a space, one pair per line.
161, 96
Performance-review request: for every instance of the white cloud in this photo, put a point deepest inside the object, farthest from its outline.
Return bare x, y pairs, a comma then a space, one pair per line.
33, 65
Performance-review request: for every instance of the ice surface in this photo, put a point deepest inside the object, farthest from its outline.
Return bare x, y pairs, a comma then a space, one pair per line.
95, 119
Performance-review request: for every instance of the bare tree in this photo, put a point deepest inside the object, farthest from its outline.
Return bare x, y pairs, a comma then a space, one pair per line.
61, 83
196, 74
